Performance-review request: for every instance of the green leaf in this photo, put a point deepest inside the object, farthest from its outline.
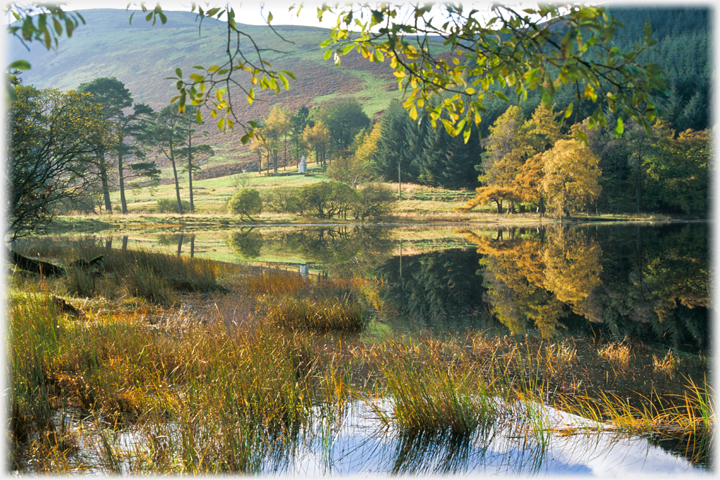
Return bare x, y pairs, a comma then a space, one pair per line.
647, 31
289, 74
347, 49
19, 65
582, 137
221, 123
198, 116
163, 18
212, 11
270, 17
58, 26
328, 54
284, 81
619, 127
501, 96
569, 110
466, 134
213, 68
179, 72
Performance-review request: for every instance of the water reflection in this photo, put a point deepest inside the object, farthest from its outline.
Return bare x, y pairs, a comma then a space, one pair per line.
438, 291
247, 244
359, 446
648, 283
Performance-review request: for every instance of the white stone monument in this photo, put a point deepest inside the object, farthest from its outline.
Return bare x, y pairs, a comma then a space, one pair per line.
302, 167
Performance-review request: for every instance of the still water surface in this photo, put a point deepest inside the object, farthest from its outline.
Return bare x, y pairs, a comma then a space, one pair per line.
646, 286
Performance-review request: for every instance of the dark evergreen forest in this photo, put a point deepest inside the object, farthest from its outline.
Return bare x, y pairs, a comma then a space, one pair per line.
420, 155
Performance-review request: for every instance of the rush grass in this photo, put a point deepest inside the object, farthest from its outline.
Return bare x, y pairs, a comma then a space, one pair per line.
120, 274
234, 386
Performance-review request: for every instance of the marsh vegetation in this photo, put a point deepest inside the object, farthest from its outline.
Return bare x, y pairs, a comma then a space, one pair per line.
438, 361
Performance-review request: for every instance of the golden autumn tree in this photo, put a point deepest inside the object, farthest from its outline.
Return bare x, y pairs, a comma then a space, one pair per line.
317, 139
571, 176
543, 129
357, 167
511, 162
528, 182
505, 152
484, 195
276, 130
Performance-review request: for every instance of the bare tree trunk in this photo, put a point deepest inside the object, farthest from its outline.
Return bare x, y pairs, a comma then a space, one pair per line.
105, 183
121, 180
190, 173
177, 183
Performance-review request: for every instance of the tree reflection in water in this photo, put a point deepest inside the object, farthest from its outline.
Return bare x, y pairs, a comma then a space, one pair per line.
438, 291
646, 283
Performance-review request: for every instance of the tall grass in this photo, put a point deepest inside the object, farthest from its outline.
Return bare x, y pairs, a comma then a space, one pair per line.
151, 276
318, 315
692, 418
217, 396
430, 394
236, 386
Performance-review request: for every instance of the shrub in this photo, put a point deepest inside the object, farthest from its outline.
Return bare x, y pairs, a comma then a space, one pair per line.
169, 205
83, 204
374, 200
245, 202
284, 199
326, 199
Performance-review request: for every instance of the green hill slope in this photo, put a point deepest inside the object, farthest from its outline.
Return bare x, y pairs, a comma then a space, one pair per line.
142, 56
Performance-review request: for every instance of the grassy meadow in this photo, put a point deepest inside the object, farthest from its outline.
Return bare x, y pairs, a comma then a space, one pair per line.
415, 204
213, 367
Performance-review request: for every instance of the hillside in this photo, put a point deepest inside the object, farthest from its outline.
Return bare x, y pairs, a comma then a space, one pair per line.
142, 56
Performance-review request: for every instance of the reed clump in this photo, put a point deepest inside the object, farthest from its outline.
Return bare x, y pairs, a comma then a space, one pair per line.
275, 282
117, 273
618, 354
433, 387
317, 315
219, 396
691, 417
667, 365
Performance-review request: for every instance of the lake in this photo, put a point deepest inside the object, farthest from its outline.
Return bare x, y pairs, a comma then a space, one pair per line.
591, 289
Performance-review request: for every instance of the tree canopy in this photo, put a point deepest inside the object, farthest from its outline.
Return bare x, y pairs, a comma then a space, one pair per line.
479, 54
53, 139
